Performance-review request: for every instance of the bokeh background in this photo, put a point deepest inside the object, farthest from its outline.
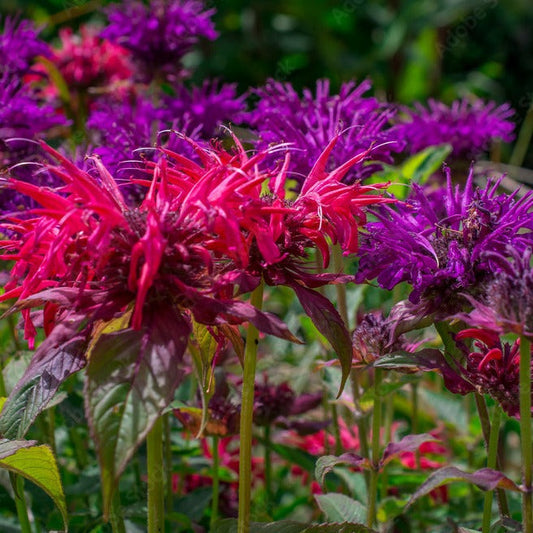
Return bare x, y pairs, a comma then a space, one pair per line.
410, 49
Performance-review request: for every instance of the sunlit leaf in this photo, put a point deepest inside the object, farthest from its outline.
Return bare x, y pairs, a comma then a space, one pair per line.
38, 465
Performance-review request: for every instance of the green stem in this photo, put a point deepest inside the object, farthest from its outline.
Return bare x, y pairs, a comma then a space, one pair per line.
485, 427
20, 503
525, 432
156, 478
216, 483
115, 515
492, 459
268, 472
247, 415
361, 421
376, 427
167, 451
336, 429
414, 420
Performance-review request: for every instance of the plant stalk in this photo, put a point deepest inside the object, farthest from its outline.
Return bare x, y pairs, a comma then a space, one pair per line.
20, 503
268, 471
115, 515
247, 415
156, 478
216, 483
525, 433
376, 428
492, 459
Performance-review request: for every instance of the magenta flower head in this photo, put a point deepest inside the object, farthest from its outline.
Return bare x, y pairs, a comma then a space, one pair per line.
442, 242
309, 123
19, 46
489, 367
86, 258
469, 127
87, 61
159, 34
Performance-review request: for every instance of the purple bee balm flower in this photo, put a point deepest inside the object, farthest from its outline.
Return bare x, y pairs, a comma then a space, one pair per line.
441, 242
159, 34
23, 118
309, 122
203, 109
118, 127
19, 46
468, 127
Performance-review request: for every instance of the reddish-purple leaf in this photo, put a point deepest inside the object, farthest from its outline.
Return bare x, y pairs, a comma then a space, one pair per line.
485, 479
60, 355
328, 321
131, 378
410, 443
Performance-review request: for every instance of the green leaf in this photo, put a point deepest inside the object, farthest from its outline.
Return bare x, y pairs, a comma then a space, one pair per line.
37, 464
340, 508
131, 378
203, 347
229, 525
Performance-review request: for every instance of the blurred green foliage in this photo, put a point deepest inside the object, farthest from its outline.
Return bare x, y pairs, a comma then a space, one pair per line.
411, 49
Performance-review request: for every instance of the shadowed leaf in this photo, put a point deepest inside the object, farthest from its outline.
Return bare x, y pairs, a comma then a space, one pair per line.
485, 479
410, 443
131, 378
326, 464
328, 321
341, 508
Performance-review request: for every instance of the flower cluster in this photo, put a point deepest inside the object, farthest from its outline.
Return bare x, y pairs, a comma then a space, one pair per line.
309, 122
443, 242
469, 127
158, 35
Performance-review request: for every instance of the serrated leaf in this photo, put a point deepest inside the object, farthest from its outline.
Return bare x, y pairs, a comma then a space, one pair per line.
340, 508
60, 355
409, 443
229, 525
328, 321
130, 379
327, 463
485, 479
38, 465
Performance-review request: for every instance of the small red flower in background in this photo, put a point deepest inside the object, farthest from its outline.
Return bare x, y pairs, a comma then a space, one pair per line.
86, 60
